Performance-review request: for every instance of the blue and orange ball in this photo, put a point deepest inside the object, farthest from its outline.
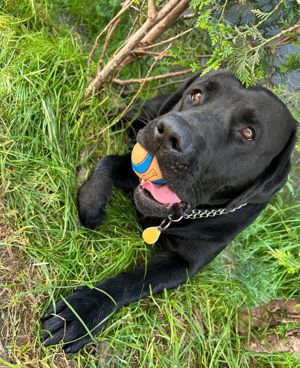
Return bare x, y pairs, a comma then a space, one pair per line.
145, 165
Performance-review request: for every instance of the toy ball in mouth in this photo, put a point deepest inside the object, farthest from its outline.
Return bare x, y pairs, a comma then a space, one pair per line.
145, 165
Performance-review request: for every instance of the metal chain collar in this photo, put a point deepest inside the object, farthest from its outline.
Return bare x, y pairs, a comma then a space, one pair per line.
198, 214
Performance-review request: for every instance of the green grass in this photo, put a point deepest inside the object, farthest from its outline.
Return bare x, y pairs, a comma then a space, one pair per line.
45, 124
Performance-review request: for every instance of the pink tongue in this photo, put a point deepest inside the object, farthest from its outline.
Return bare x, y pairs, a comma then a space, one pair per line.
161, 193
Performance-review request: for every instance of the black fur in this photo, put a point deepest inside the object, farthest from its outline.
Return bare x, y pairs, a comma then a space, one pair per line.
209, 164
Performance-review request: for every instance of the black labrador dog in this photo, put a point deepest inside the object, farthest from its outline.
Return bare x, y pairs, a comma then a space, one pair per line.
224, 150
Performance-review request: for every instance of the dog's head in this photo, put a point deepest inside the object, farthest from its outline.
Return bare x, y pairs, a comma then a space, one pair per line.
218, 143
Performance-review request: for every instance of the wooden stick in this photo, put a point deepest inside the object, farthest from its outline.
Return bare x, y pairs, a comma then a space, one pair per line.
160, 86
151, 79
132, 42
166, 23
152, 11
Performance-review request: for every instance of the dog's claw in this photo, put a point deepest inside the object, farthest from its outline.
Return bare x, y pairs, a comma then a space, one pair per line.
76, 345
59, 307
44, 336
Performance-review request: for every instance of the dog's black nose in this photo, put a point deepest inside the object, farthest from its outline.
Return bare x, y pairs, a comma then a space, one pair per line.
172, 134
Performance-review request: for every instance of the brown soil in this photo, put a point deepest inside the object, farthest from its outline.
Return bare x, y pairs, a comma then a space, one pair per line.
274, 326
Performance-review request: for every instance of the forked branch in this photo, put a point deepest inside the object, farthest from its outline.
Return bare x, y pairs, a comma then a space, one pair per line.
156, 24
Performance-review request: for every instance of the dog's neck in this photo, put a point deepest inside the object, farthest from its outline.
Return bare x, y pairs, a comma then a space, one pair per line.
152, 233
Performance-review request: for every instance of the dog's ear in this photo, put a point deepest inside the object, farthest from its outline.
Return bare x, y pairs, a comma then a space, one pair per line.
172, 100
271, 180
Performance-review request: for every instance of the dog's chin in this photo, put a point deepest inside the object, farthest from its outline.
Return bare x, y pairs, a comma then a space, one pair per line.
149, 207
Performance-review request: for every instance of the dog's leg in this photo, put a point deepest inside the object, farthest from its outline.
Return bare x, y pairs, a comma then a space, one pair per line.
87, 309
96, 192
93, 306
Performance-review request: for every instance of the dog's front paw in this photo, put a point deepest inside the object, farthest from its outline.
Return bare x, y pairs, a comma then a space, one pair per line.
75, 320
91, 207
95, 194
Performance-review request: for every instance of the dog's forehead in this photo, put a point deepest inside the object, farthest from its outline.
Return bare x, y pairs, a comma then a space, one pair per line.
220, 73
268, 106
256, 98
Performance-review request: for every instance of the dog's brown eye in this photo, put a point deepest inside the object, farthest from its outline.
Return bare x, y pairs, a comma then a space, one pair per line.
248, 133
196, 96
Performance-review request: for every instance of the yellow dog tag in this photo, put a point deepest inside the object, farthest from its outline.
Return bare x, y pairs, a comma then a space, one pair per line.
151, 234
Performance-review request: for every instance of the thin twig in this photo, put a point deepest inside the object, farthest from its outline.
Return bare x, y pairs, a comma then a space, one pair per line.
125, 6
152, 53
151, 79
137, 20
160, 86
106, 43
178, 81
